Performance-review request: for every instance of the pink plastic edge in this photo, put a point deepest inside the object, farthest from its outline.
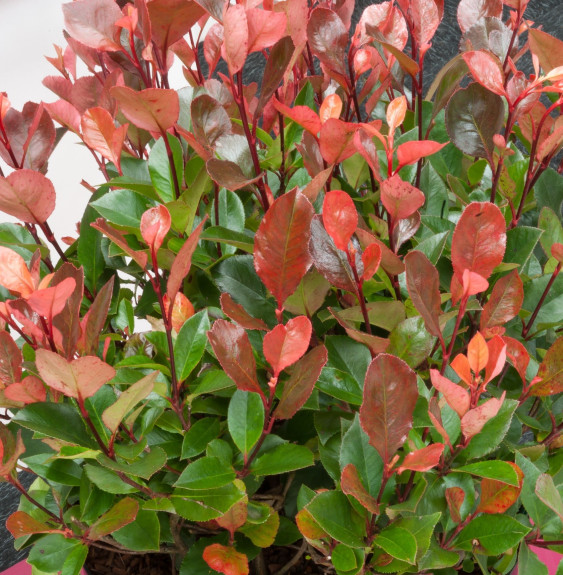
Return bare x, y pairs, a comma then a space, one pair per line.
24, 568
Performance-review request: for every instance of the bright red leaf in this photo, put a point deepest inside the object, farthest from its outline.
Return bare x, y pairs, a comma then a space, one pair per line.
226, 560
460, 364
330, 108
155, 224
302, 115
400, 198
29, 390
518, 355
336, 140
456, 397
118, 238
92, 22
182, 310
477, 353
486, 69
286, 344
422, 459
497, 358
505, 301
340, 217
10, 360
471, 284
27, 195
351, 484
238, 314
474, 420
265, 28
455, 496
51, 301
496, 496
235, 43
411, 152
14, 275
371, 258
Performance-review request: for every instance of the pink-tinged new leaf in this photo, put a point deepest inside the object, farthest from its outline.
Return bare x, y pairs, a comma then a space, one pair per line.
234, 352
100, 134
182, 310
27, 195
183, 261
235, 43
10, 360
400, 198
119, 239
422, 459
281, 244
365, 146
265, 28
302, 115
395, 114
550, 372
498, 497
351, 484
547, 48
472, 283
479, 240
486, 69
29, 390
92, 22
336, 140
330, 108
474, 420
51, 301
328, 38
505, 301
235, 517
390, 394
460, 364
477, 353
153, 109
425, 16
286, 344
470, 11
4, 105
456, 397
340, 218
423, 284
299, 386
226, 560
20, 524
155, 224
518, 355
14, 275
497, 358
455, 496
371, 258
65, 114
238, 314
80, 378
411, 152
435, 415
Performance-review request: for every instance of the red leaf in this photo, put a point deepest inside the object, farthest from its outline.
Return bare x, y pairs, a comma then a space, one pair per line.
286, 344
153, 109
307, 525
390, 394
474, 420
118, 238
302, 115
547, 48
238, 314
455, 497
183, 261
336, 140
93, 322
100, 134
384, 21
472, 284
235, 517
371, 258
456, 397
550, 372
265, 28
92, 22
422, 459
226, 560
330, 108
518, 355
212, 46
470, 11
210, 121
281, 244
411, 152
400, 198
340, 218
29, 390
435, 416
234, 352
328, 38
65, 114
486, 69
351, 484
390, 262
460, 364
395, 115
14, 275
10, 451
10, 360
20, 524
49, 302
155, 224
28, 196
497, 358
365, 146
505, 301
477, 353
423, 284
299, 386
479, 240
425, 17
496, 496
235, 43
182, 310
121, 514
80, 378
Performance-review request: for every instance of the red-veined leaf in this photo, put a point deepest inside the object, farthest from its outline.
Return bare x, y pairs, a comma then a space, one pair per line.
497, 357
550, 372
400, 198
340, 217
153, 109
29, 390
281, 244
470, 11
265, 28
486, 69
456, 397
235, 42
14, 275
10, 360
238, 314
20, 524
390, 394
423, 284
474, 420
302, 115
299, 386
455, 496
505, 301
477, 353
100, 134
182, 310
496, 496
51, 301
80, 378
479, 239
286, 344
155, 224
92, 22
411, 152
27, 195
371, 258
234, 352
336, 140
118, 238
330, 108
422, 459
226, 560
351, 484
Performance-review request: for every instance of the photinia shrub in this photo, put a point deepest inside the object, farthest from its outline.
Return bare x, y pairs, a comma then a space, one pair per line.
351, 281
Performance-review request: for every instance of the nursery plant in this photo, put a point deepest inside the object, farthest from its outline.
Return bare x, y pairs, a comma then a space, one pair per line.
350, 275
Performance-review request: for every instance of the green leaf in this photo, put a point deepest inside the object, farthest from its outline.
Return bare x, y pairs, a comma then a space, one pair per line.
200, 434
75, 561
547, 492
122, 207
190, 344
333, 512
46, 418
143, 534
210, 382
398, 543
206, 473
422, 528
343, 558
107, 480
203, 505
52, 551
529, 563
282, 459
231, 216
437, 558
245, 419
520, 244
495, 534
433, 246
411, 342
145, 466
498, 470
232, 238
160, 170
551, 311
340, 385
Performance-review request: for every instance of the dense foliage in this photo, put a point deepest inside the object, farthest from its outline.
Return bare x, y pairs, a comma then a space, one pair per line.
352, 281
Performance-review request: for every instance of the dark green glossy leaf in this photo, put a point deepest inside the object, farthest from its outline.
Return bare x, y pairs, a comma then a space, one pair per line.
199, 435
52, 551
411, 342
160, 170
107, 480
497, 470
190, 344
398, 543
491, 534
282, 459
122, 207
143, 534
245, 419
205, 473
145, 466
232, 238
